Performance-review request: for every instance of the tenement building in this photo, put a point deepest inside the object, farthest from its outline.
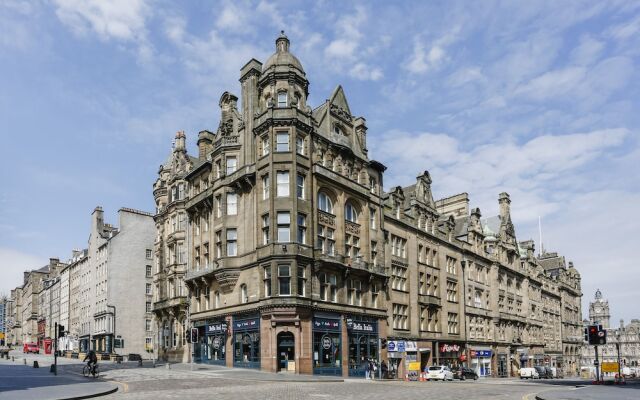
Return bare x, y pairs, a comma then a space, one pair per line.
297, 260
170, 255
625, 338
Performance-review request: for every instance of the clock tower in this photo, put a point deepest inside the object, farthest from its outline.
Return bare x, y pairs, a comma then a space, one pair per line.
599, 311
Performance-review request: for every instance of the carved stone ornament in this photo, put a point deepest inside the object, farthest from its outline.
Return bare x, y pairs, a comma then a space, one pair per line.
326, 219
226, 278
351, 227
341, 112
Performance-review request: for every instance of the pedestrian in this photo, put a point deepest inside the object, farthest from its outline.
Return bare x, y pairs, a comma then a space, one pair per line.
367, 369
374, 370
385, 369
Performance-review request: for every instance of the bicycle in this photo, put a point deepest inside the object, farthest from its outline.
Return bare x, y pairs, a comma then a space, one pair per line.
86, 371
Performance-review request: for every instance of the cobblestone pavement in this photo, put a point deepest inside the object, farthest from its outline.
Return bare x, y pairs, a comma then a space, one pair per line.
184, 381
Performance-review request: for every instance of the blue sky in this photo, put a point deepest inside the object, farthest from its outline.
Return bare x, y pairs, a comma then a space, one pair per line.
539, 99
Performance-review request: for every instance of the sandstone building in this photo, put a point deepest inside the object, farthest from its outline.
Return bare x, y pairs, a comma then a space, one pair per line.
626, 336
294, 258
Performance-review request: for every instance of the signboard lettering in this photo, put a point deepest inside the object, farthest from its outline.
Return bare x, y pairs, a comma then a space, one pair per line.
322, 323
362, 326
449, 348
246, 324
216, 328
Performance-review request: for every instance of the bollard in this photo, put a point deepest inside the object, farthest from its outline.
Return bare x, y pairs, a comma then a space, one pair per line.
25, 361
52, 369
13, 358
36, 365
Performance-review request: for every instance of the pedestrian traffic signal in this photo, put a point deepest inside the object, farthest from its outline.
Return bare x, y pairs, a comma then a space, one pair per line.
61, 331
194, 335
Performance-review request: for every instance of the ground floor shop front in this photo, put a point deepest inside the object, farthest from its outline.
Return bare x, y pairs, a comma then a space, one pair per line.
291, 340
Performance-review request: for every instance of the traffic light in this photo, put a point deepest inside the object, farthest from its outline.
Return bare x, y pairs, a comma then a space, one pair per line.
595, 335
194, 335
61, 331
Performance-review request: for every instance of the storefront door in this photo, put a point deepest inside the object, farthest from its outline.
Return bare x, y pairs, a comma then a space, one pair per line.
502, 365
286, 351
246, 343
363, 345
216, 340
327, 356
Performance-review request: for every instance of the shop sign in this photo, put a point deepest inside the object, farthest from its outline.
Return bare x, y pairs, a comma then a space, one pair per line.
481, 353
610, 367
362, 326
216, 328
323, 323
246, 324
411, 346
449, 348
396, 346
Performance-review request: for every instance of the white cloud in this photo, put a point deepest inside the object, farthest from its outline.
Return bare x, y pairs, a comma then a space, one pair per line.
119, 20
588, 51
232, 18
13, 263
422, 60
364, 72
626, 30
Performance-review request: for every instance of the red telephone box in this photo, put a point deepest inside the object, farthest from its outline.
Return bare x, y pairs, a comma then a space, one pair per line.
47, 346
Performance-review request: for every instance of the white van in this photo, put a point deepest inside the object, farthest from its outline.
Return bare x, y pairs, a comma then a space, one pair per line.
529, 373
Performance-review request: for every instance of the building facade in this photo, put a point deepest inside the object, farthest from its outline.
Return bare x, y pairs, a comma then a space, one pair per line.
4, 303
626, 337
297, 260
170, 255
115, 284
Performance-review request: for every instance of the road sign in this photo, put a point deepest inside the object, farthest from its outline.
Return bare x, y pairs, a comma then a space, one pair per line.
610, 367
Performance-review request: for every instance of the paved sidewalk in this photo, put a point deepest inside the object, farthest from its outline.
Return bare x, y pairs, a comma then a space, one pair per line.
593, 392
20, 382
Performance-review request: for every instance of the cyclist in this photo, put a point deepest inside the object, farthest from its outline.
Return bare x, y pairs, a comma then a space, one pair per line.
93, 361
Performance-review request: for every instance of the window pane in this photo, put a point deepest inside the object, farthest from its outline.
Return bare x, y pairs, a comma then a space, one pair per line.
284, 218
283, 184
232, 234
283, 234
282, 141
282, 99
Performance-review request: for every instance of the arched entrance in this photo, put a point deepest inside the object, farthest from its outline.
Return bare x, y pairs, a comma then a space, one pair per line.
286, 350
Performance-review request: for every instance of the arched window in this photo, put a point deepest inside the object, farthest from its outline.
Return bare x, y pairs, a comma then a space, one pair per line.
350, 213
282, 99
324, 203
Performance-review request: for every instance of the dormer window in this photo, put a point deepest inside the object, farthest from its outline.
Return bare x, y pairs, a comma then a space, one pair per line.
337, 130
282, 99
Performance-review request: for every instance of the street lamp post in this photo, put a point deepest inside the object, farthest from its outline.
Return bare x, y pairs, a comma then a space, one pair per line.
113, 345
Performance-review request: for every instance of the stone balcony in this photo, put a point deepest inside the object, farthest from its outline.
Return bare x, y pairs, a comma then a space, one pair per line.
225, 141
178, 301
429, 300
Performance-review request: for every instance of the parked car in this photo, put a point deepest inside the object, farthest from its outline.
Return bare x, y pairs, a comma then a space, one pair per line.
31, 348
463, 373
542, 372
529, 373
549, 372
439, 373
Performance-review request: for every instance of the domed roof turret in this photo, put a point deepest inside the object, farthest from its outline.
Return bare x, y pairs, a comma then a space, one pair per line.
282, 57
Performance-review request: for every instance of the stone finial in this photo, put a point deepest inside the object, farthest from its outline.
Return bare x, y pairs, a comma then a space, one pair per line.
282, 43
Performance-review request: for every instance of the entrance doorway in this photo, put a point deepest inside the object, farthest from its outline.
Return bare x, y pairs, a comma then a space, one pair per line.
286, 352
